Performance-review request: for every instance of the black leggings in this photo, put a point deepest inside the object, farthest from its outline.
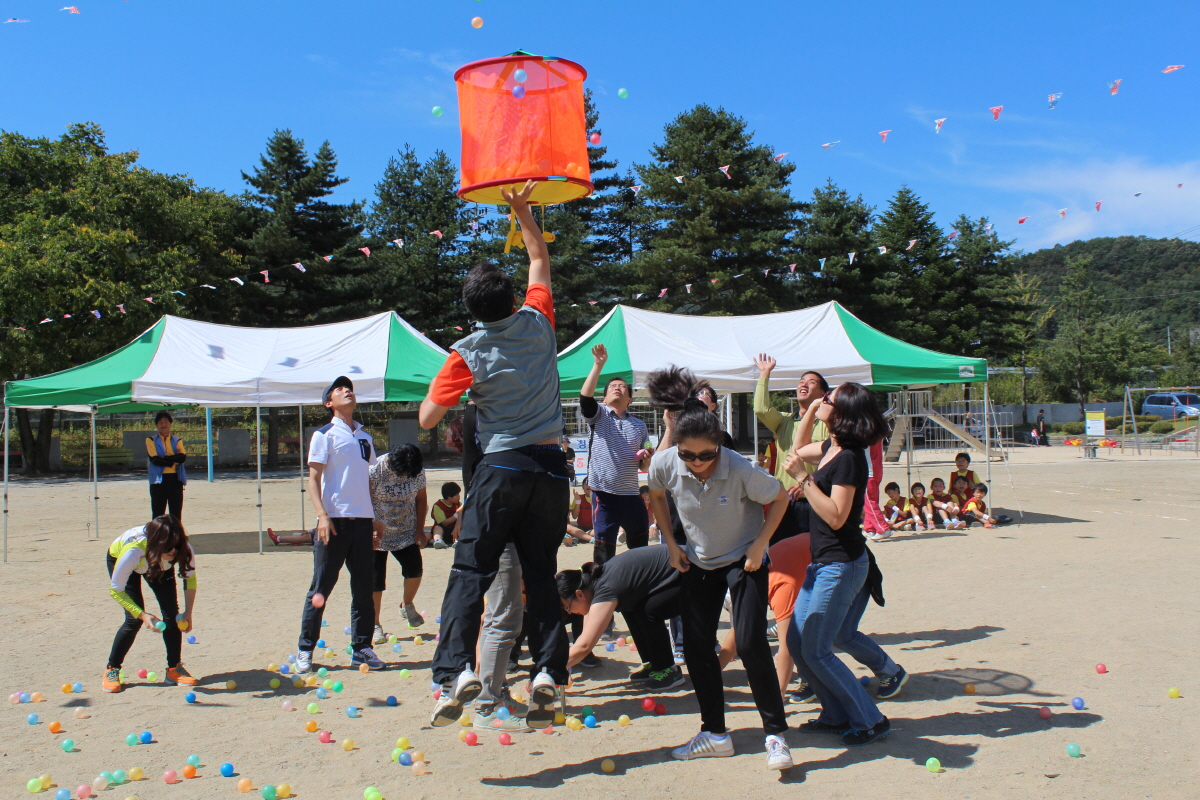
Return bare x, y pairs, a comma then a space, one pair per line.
411, 565
167, 495
647, 625
168, 604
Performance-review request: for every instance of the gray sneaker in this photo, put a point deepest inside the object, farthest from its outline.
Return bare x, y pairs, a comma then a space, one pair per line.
303, 662
456, 694
415, 620
380, 637
366, 656
488, 720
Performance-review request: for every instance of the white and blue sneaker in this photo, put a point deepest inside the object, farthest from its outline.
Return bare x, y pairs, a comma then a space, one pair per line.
303, 662
779, 755
365, 656
456, 694
705, 745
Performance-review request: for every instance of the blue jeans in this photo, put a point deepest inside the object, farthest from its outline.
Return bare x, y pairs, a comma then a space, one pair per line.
824, 617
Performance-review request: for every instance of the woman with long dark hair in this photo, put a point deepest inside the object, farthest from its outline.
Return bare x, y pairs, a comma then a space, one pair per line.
836, 585
720, 498
398, 495
151, 552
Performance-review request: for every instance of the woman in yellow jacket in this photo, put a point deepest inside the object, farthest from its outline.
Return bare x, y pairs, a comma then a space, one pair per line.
151, 552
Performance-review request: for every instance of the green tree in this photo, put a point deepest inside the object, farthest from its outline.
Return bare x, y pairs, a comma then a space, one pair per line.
83, 230
834, 226
987, 293
713, 226
1027, 326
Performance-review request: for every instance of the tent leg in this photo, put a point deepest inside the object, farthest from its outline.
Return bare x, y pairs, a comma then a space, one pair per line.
1137, 442
6, 483
208, 440
729, 413
95, 478
258, 451
906, 407
300, 423
987, 434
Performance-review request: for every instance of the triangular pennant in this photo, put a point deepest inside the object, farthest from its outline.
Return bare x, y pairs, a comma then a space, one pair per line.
911, 244
400, 242
66, 316
791, 267
121, 307
43, 322
1173, 67
996, 111
829, 145
679, 179
688, 286
1098, 204
592, 302
1114, 86
852, 255
635, 190
663, 293
883, 134
882, 249
779, 157
299, 266
740, 274
953, 235
365, 251
238, 281
766, 272
1021, 221
987, 227
1062, 213
207, 286
327, 258
149, 300
436, 233
725, 169
1054, 98
714, 280
638, 296
937, 124
266, 273
97, 313
821, 261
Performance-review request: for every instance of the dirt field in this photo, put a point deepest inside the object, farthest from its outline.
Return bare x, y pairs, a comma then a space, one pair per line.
1103, 569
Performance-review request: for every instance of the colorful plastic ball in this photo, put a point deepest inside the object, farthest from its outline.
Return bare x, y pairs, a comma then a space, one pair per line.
371, 793
108, 776
136, 774
351, 712
969, 688
520, 76
321, 643
54, 727
1045, 713
594, 138
864, 680
322, 672
32, 719
288, 705
610, 647
559, 718
648, 704
83, 791
337, 686
275, 684
188, 771
549, 729
272, 667
1100, 668
63, 794
231, 685
405, 760
347, 745
66, 689
327, 684
402, 743
325, 737
624, 720
347, 630
313, 708
330, 654
99, 784
1073, 751
283, 790
364, 668
623, 94
1174, 693
417, 754
193, 760
284, 669
67, 745
160, 626
404, 673
152, 676
14, 698
291, 659
311, 726
503, 713
227, 770
34, 785
321, 693
396, 754
505, 739
324, 622
418, 640
146, 737
245, 785
119, 776
81, 713
190, 697
608, 766
318, 601
476, 22
418, 768
660, 709
298, 683
269, 792
518, 91
131, 739
1077, 703
471, 738
191, 640
391, 700
933, 765
437, 111
590, 721
574, 724
396, 647
170, 776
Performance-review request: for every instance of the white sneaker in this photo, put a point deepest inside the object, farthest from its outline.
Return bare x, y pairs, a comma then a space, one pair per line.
543, 694
778, 754
465, 688
303, 662
380, 636
705, 745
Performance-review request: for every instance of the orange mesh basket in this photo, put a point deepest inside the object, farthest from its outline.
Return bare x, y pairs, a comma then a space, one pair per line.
508, 140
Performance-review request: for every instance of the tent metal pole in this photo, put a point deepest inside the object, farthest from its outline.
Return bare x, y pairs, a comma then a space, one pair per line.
258, 451
729, 412
208, 441
1137, 442
908, 437
6, 447
95, 478
987, 434
300, 423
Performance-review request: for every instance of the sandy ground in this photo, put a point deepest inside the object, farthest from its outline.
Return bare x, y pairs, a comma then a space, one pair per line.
1104, 569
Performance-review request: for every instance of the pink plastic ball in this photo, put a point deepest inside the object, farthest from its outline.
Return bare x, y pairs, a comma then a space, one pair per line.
633, 648
1045, 713
142, 673
325, 737
84, 790
471, 738
548, 730
659, 709
648, 704
505, 739
1101, 669
170, 776
318, 600
594, 138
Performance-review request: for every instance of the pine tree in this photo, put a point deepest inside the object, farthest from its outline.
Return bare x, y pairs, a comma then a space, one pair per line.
987, 291
712, 226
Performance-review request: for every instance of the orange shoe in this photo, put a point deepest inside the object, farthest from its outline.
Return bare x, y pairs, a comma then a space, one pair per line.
112, 680
179, 675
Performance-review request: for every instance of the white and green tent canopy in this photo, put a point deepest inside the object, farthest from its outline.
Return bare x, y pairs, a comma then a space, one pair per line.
721, 350
183, 362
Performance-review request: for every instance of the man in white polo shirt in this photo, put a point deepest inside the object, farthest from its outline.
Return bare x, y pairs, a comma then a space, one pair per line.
339, 483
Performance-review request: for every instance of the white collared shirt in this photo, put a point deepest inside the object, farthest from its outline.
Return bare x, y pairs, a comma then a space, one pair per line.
347, 455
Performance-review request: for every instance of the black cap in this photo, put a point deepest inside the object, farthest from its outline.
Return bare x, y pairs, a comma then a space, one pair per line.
340, 380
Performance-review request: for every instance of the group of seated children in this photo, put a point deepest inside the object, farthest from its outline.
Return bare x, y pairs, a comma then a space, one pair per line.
963, 505
579, 517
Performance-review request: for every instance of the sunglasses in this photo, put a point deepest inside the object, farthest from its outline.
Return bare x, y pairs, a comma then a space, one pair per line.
704, 458
827, 399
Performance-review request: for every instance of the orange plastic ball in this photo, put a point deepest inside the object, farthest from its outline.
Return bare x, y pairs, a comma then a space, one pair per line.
245, 785
55, 727
36, 697
364, 669
477, 22
311, 726
969, 688
66, 688
189, 771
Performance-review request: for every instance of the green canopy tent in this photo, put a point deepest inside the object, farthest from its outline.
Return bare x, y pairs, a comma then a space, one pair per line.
182, 362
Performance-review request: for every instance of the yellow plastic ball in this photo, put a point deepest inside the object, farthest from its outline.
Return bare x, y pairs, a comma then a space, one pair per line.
283, 790
183, 624
136, 774
231, 685
418, 756
347, 745
559, 718
66, 688
364, 669
245, 785
418, 640
298, 683
462, 734
1174, 693
272, 667
608, 766
465, 720
624, 720
969, 688
311, 680
402, 743
275, 683
311, 726
573, 723
47, 781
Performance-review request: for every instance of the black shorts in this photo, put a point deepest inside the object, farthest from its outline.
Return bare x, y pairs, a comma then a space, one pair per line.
411, 565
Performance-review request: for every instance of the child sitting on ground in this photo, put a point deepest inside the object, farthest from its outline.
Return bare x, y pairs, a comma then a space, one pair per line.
922, 508
896, 508
962, 463
975, 509
577, 533
960, 494
944, 505
445, 516
655, 534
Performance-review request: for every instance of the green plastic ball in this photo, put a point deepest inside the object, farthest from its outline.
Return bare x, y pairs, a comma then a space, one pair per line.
274, 683
313, 708
269, 792
131, 739
933, 765
34, 785
1074, 751
437, 111
322, 672
623, 93
337, 686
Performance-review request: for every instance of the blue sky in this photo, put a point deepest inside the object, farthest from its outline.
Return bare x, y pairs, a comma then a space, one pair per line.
198, 87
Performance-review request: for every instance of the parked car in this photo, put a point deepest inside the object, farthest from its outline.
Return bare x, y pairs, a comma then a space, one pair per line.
1172, 405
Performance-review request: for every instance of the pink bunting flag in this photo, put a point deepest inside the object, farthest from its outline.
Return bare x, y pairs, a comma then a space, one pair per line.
679, 179
937, 124
121, 307
327, 258
592, 302
365, 251
987, 227
72, 9
1021, 221
911, 244
149, 300
635, 190
299, 266
207, 286
725, 170
779, 157
238, 281
14, 19
882, 249
1098, 204
400, 242
437, 234
458, 327
266, 273
791, 267
1114, 86
96, 313
996, 111
714, 280
883, 134
829, 145
1173, 67
66, 316
953, 235
663, 293
688, 286
43, 322
638, 296
1062, 213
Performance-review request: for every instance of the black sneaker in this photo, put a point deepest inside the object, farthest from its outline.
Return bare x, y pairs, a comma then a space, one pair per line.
665, 679
642, 673
803, 695
816, 726
879, 731
890, 687
590, 660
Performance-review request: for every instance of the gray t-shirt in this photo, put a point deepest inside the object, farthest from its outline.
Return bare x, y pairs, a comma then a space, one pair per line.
721, 517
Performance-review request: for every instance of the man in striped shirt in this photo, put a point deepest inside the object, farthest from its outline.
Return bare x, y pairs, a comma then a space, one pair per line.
617, 451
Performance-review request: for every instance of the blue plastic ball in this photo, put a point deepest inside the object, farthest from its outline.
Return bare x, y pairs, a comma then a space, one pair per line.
62, 794
610, 647
32, 719
351, 712
191, 640
320, 642
24, 697
396, 647
324, 623
292, 657
284, 669
77, 687
146, 737
346, 630
518, 91
864, 680
1078, 703
590, 721
520, 76
438, 620
391, 701
503, 713
405, 760
227, 770
160, 626
321, 693
190, 697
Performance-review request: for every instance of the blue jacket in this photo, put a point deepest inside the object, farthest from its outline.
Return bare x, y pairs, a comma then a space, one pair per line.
156, 472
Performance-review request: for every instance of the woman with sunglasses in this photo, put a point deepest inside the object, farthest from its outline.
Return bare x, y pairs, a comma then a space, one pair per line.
720, 498
836, 586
